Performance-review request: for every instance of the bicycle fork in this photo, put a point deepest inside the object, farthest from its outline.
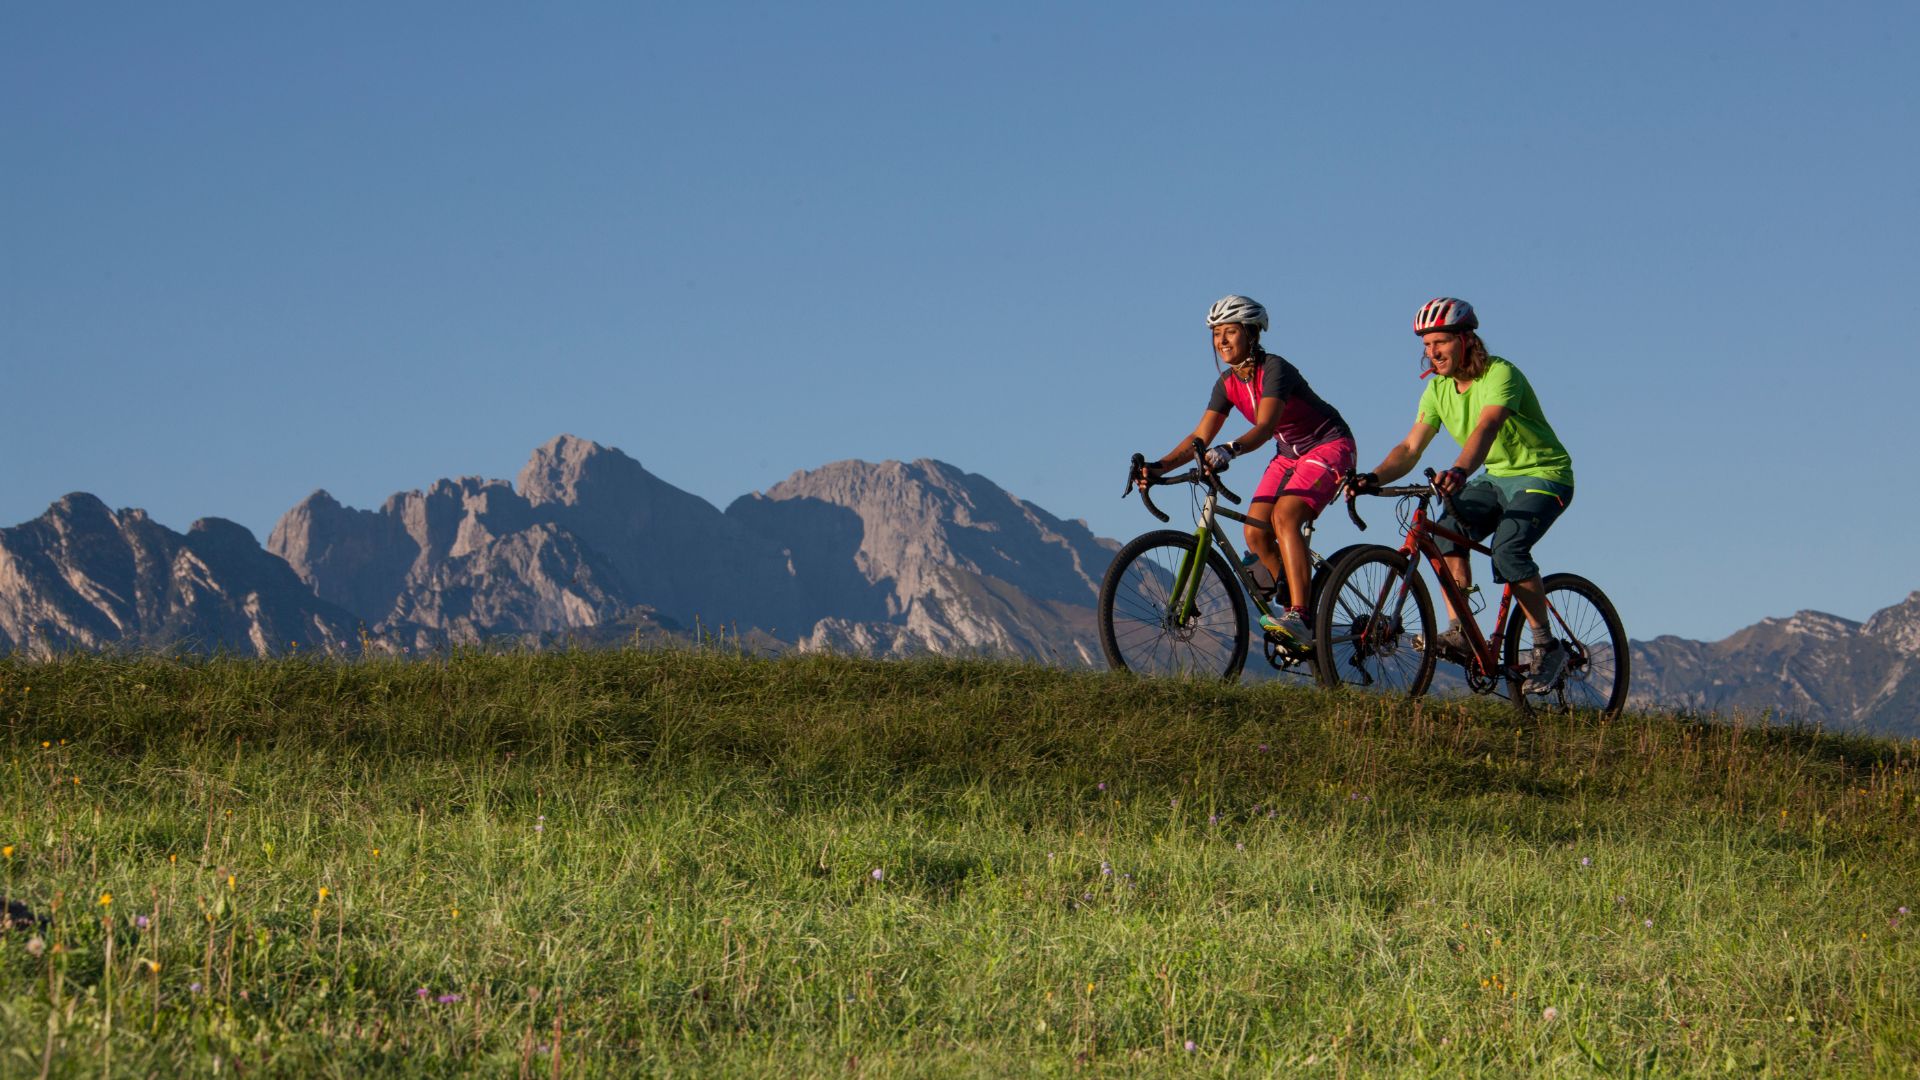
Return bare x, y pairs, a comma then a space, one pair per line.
1186, 585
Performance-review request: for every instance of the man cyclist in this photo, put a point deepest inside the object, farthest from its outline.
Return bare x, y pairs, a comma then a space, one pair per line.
1313, 448
1490, 409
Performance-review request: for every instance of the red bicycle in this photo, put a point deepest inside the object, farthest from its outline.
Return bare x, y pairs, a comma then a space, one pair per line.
1375, 625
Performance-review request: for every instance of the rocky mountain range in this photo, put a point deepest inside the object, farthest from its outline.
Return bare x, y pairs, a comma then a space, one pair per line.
81, 576
889, 559
587, 546
1810, 666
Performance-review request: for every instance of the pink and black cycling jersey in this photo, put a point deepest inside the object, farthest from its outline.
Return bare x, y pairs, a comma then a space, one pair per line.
1305, 420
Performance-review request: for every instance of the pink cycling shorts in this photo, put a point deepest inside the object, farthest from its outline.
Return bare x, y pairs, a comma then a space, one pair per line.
1313, 476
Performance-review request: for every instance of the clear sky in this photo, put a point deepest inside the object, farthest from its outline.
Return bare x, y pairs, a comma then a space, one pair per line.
250, 250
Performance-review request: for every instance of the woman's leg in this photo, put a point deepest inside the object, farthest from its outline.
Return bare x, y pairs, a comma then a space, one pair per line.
1260, 542
1290, 514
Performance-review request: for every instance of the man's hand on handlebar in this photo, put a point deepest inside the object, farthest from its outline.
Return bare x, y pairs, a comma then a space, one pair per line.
1360, 483
1450, 482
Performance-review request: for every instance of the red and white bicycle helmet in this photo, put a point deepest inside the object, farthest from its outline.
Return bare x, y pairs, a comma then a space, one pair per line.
1445, 314
1237, 309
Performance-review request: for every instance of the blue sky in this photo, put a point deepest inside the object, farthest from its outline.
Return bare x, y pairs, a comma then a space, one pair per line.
247, 251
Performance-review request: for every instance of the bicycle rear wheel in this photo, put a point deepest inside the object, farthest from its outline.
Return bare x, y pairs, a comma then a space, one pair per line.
1141, 631
1601, 663
1372, 633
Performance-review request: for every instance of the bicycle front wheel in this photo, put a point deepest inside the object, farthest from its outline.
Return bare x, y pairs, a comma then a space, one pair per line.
1374, 624
1584, 620
1146, 627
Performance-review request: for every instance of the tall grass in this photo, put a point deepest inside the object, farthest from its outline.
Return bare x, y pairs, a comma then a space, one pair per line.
686, 862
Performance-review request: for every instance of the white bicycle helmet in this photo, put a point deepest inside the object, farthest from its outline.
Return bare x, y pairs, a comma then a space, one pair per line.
1445, 314
1237, 309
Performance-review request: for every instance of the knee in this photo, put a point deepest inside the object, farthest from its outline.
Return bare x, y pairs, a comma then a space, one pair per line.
1514, 563
1259, 540
1290, 514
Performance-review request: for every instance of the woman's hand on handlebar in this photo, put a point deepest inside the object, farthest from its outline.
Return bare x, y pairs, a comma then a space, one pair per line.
1145, 471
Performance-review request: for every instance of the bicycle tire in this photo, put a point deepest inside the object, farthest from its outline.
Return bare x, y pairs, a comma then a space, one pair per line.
1361, 643
1601, 666
1137, 631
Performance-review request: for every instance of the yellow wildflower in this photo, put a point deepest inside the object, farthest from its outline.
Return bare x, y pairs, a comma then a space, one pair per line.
106, 899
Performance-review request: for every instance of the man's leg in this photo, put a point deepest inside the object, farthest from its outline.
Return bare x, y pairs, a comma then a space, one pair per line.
1531, 510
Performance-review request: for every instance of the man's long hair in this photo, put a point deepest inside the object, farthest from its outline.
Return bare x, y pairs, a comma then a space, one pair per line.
1477, 360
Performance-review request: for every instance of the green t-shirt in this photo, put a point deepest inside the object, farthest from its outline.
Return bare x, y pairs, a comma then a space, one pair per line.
1526, 445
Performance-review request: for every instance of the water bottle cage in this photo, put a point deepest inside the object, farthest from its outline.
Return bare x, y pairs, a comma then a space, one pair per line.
1476, 600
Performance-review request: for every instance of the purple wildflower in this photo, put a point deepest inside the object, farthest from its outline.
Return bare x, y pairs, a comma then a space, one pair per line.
1263, 748
1586, 860
1646, 922
194, 988
1103, 785
447, 999
1240, 846
421, 992
1191, 1047
1903, 909
1213, 819
879, 874
1105, 870
140, 921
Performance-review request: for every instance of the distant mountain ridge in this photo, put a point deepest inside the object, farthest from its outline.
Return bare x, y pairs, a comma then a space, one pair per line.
886, 559
82, 576
1810, 666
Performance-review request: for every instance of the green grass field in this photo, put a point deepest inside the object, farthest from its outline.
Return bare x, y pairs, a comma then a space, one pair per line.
683, 862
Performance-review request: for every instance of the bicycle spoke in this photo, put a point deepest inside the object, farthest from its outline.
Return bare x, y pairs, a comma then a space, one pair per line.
1585, 622
1370, 625
1142, 623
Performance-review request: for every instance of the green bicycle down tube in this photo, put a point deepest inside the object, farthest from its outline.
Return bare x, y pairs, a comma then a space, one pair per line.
1220, 540
1187, 590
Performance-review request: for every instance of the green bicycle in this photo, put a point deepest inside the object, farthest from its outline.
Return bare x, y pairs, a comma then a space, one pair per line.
1175, 603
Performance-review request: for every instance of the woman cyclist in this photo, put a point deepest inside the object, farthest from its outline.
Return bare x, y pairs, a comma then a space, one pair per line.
1490, 409
1313, 448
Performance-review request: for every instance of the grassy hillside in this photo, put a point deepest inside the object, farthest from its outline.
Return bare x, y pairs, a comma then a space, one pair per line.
680, 862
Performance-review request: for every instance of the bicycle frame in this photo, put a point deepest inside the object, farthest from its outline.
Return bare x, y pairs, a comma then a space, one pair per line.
1420, 541
1183, 602
1186, 585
